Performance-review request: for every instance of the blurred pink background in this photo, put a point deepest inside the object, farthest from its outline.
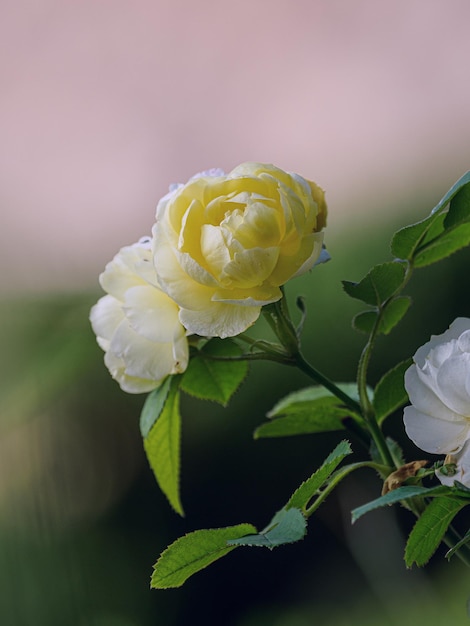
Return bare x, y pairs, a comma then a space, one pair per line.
105, 103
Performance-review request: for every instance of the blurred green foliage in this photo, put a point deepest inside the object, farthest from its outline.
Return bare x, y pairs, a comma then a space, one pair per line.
82, 520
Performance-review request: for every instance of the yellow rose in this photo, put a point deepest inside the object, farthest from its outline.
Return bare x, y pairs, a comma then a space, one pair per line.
224, 244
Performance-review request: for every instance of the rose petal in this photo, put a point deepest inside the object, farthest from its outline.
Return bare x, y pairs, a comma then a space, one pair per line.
143, 358
250, 268
464, 341
129, 384
266, 294
105, 316
452, 380
175, 282
458, 326
317, 256
152, 314
130, 267
180, 354
423, 394
213, 248
432, 434
220, 320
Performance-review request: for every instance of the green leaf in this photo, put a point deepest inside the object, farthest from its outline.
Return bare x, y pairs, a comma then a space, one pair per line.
392, 313
434, 232
305, 397
379, 284
459, 209
444, 245
430, 528
402, 493
365, 321
210, 379
326, 417
453, 191
310, 410
390, 393
287, 526
193, 552
162, 446
407, 240
153, 406
302, 496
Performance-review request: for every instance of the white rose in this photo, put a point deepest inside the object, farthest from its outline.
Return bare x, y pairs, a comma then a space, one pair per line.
438, 385
225, 244
137, 324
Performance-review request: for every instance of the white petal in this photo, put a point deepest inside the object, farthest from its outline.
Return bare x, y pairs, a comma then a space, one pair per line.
129, 384
439, 355
423, 394
452, 379
464, 342
152, 314
131, 266
180, 355
458, 326
142, 358
434, 435
105, 317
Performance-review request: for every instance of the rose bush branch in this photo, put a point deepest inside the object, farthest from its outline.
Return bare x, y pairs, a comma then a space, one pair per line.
174, 321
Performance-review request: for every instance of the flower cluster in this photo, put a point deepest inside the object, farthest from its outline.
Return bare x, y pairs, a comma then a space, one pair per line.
438, 386
221, 248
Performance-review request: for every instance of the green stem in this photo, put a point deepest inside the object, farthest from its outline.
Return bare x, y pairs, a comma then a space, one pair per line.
351, 424
338, 477
363, 366
299, 361
366, 405
278, 317
278, 355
